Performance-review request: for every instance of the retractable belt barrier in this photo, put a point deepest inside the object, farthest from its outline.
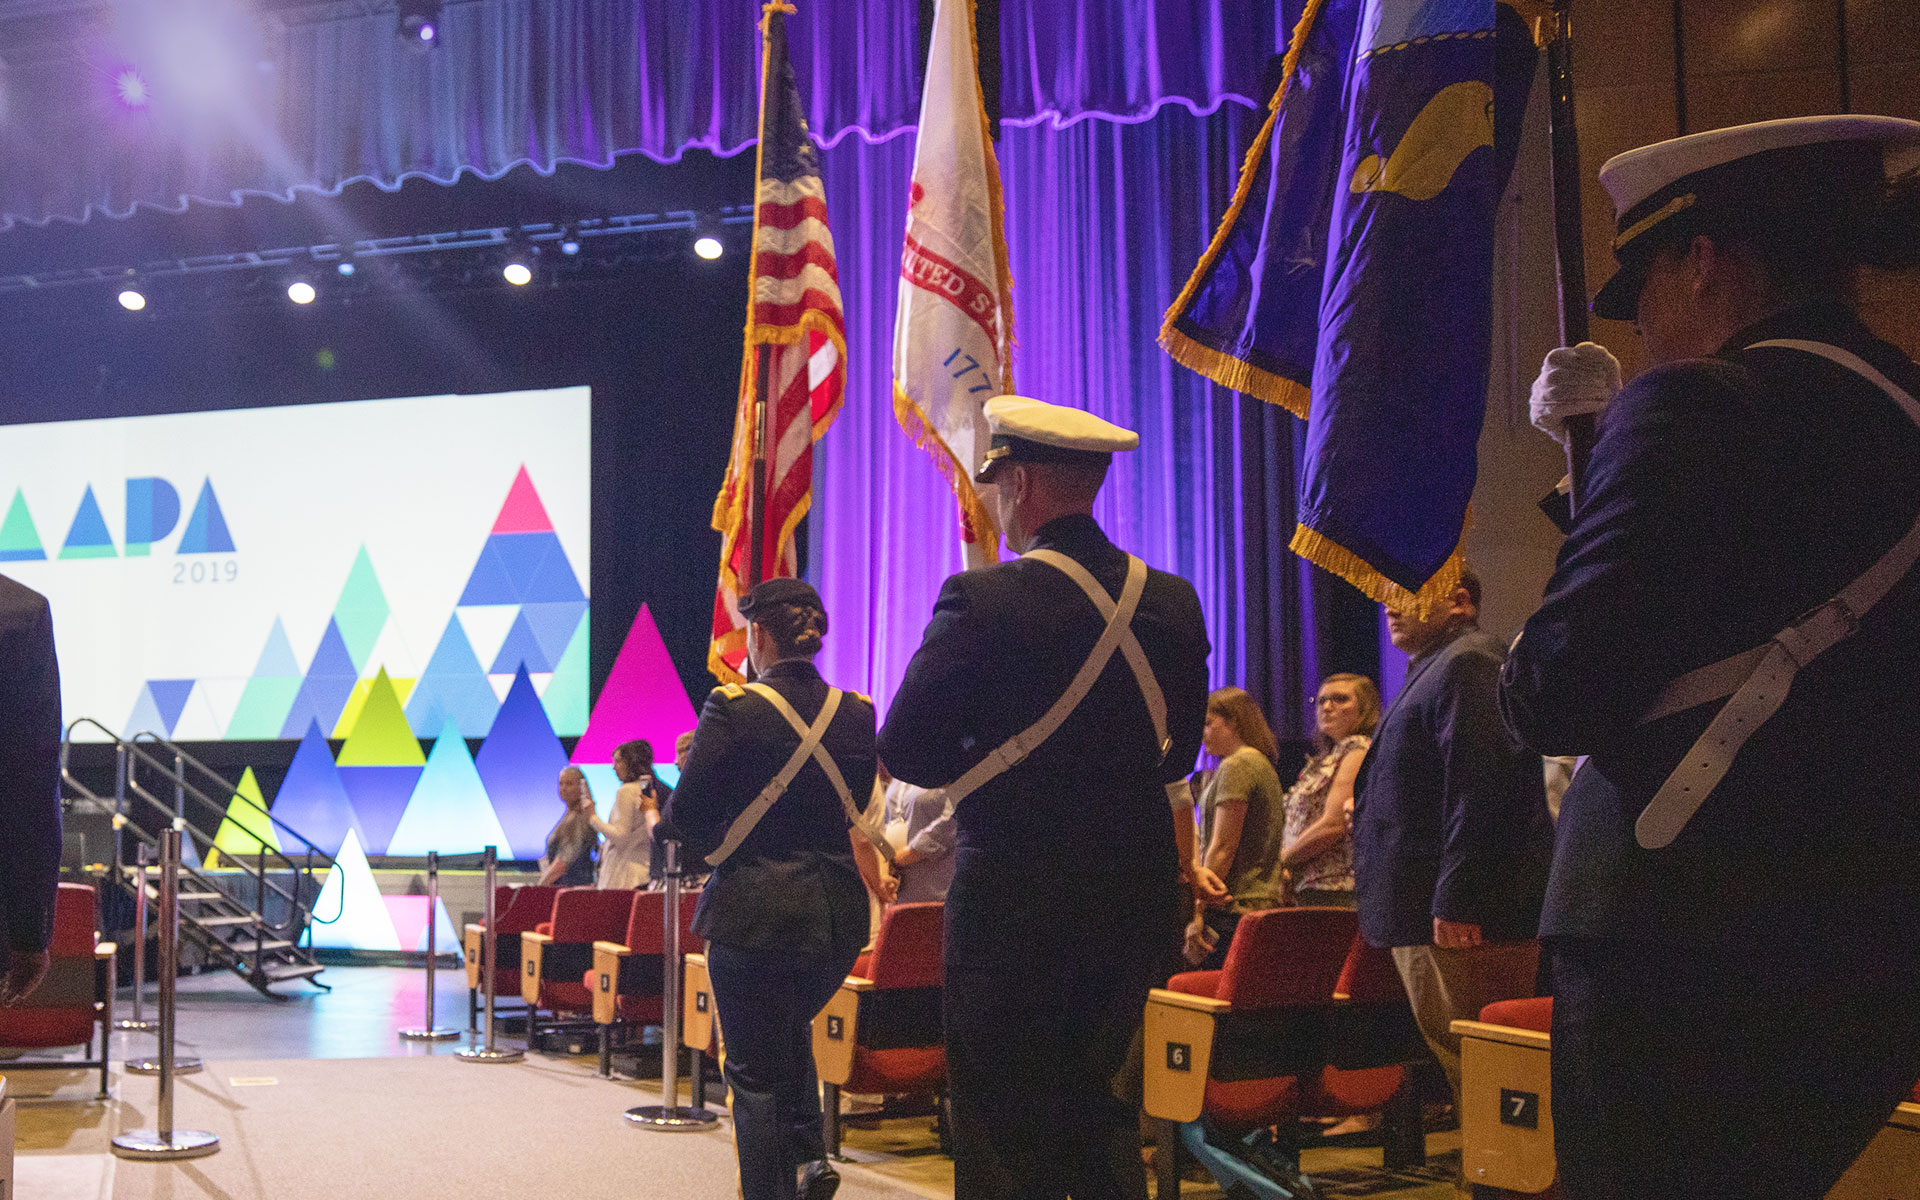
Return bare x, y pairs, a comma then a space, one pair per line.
670, 1115
430, 1032
488, 1052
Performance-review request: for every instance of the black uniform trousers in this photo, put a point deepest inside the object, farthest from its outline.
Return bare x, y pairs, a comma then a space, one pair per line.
767, 1001
1693, 1073
1047, 973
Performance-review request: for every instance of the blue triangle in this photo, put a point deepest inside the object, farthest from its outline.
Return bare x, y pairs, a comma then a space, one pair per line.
449, 811
521, 649
379, 796
276, 657
207, 527
89, 528
519, 763
312, 802
553, 626
327, 687
490, 583
452, 688
145, 717
554, 579
520, 554
170, 696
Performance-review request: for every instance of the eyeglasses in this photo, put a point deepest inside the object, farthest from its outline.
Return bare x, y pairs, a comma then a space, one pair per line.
1331, 698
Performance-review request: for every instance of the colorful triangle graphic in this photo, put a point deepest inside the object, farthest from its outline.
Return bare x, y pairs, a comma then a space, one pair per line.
643, 698
312, 801
362, 610
449, 811
87, 537
145, 717
245, 828
324, 692
523, 512
520, 764
170, 696
19, 540
350, 715
566, 696
381, 736
379, 797
350, 891
453, 688
206, 531
521, 649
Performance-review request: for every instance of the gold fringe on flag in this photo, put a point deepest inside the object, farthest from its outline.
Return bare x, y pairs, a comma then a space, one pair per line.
986, 531
1329, 555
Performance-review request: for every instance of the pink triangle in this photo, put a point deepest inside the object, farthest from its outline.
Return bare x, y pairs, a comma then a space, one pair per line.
409, 914
643, 698
523, 512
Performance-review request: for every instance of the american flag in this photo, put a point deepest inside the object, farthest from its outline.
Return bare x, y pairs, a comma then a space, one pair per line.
793, 308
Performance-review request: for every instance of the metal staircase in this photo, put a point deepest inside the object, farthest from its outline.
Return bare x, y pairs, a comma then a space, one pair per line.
248, 922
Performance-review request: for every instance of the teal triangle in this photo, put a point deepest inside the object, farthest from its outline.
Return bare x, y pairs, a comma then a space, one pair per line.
362, 611
87, 537
262, 712
521, 649
449, 811
19, 540
206, 531
566, 696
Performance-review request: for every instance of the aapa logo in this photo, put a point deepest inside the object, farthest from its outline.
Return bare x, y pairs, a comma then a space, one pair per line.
153, 510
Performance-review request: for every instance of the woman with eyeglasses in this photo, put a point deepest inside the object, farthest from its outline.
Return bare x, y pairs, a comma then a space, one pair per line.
1316, 849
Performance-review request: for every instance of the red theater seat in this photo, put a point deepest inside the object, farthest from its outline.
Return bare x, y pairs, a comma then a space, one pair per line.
628, 977
519, 910
1372, 1040
73, 1000
1535, 1014
881, 1032
554, 966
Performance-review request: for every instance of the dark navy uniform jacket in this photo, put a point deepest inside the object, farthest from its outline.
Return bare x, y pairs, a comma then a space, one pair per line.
29, 770
1449, 814
792, 886
1003, 645
1725, 497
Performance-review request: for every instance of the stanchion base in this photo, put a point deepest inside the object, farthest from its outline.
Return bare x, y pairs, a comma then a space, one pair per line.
146, 1145
151, 1066
482, 1054
429, 1035
136, 1026
671, 1118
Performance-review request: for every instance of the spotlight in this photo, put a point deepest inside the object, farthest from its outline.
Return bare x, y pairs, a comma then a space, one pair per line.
300, 292
569, 241
345, 267
131, 299
419, 25
708, 247
132, 89
517, 273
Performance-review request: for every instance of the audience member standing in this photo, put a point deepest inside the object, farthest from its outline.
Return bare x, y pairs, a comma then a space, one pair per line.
29, 787
1065, 901
1241, 821
1317, 850
784, 913
1450, 829
920, 821
572, 844
628, 829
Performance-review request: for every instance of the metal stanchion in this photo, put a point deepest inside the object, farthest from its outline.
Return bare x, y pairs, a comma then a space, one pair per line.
431, 1032
668, 1114
169, 971
489, 953
164, 1143
136, 1022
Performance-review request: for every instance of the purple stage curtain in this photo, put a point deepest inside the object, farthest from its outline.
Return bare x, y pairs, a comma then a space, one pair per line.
1104, 222
325, 97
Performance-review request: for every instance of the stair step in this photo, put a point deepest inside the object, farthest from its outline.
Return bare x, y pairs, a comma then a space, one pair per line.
226, 922
191, 897
264, 947
295, 971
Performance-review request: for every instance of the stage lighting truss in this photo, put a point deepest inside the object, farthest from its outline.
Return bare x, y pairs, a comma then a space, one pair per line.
459, 260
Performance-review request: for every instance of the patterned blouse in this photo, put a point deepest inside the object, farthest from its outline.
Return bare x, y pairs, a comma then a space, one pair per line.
1332, 871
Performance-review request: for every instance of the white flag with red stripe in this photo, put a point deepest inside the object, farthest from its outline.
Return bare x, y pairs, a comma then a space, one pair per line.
794, 310
953, 331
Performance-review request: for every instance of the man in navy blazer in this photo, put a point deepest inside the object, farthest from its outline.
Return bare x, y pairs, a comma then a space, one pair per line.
1451, 836
29, 787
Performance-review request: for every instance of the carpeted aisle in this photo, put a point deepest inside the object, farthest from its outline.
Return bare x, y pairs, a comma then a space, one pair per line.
399, 1128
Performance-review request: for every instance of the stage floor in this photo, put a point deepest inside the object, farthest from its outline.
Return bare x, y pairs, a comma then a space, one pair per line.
315, 1094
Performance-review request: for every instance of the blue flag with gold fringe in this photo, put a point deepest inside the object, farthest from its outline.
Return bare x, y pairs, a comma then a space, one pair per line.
1351, 279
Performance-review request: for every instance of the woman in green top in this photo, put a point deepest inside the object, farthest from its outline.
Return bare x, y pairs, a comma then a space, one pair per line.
1242, 819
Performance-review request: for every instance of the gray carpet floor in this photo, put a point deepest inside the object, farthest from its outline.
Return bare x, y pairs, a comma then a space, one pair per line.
395, 1129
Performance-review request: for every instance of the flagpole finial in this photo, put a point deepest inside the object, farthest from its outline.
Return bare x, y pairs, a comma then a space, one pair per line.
775, 6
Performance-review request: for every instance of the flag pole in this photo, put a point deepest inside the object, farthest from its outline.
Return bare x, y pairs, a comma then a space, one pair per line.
762, 351
1570, 255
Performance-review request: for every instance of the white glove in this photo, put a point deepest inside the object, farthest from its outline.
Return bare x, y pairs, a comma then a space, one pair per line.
1573, 380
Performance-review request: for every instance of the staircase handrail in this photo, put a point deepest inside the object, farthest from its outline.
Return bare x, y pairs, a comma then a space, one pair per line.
233, 793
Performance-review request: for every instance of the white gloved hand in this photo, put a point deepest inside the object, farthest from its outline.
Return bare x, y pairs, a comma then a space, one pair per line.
1573, 380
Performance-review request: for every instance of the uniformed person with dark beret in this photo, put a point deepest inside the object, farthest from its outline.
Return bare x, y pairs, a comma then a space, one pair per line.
1066, 896
1732, 635
779, 774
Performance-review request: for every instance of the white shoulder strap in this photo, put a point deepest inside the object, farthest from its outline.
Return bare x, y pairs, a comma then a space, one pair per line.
1118, 629
1756, 680
1129, 644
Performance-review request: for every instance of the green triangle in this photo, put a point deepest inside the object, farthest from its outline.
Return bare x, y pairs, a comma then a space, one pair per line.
566, 696
382, 737
245, 828
362, 610
263, 708
18, 537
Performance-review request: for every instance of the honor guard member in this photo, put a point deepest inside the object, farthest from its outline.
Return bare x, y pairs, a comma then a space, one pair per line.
1732, 635
1056, 697
29, 787
772, 798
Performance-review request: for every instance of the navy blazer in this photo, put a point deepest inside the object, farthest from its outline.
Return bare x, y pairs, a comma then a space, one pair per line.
792, 885
1725, 497
29, 769
1004, 644
1450, 814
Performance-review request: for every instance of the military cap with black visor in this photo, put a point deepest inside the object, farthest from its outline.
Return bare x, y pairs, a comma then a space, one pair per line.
1032, 431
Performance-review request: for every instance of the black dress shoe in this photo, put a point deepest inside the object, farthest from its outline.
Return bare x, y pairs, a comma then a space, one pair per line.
819, 1181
